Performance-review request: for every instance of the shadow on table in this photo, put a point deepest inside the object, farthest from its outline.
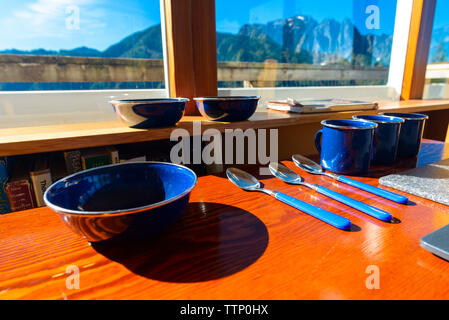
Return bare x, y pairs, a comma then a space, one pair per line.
209, 241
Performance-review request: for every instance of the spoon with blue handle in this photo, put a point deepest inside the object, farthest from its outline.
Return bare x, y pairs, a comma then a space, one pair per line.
314, 168
285, 174
247, 182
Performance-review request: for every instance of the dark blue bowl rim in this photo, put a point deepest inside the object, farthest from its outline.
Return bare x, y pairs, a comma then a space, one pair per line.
123, 211
407, 116
227, 98
370, 125
152, 100
388, 119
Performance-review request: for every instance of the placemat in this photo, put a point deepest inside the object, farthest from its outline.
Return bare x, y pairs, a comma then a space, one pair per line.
430, 181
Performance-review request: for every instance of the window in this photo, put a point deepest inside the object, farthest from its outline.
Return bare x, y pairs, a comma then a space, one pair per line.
297, 43
437, 75
61, 61
63, 50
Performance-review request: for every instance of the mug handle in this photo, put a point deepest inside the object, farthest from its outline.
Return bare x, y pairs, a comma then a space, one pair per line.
318, 140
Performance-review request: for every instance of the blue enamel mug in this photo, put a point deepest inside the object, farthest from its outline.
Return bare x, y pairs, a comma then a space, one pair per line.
386, 137
411, 133
345, 145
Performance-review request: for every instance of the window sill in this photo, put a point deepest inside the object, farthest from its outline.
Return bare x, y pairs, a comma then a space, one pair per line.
28, 140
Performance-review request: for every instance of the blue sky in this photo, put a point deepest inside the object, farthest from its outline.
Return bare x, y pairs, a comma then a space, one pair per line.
32, 24
49, 24
441, 18
233, 13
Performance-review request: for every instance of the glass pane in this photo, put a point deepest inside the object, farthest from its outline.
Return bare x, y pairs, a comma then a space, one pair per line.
80, 45
437, 75
300, 43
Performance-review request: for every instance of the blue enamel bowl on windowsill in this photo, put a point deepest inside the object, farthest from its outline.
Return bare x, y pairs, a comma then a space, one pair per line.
150, 113
227, 109
124, 201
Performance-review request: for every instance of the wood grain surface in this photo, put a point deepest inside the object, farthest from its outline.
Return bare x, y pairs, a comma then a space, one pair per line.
28, 140
232, 244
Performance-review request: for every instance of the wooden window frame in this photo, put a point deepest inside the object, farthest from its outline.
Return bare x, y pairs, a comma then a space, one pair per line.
417, 55
191, 49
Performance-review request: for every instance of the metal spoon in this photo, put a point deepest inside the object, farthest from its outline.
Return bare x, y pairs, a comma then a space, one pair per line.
285, 174
247, 182
314, 168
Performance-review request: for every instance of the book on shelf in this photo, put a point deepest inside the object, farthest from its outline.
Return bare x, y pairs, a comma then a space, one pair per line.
73, 161
40, 177
113, 152
19, 187
324, 105
97, 157
4, 173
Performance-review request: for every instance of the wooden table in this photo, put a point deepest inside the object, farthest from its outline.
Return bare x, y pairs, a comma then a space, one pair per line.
232, 244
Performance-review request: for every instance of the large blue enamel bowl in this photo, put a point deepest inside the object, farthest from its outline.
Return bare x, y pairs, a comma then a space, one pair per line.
227, 109
122, 201
150, 113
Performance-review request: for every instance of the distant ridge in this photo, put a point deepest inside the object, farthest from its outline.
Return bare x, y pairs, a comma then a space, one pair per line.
299, 39
77, 52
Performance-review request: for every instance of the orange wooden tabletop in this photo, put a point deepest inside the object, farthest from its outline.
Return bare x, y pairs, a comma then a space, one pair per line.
232, 244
